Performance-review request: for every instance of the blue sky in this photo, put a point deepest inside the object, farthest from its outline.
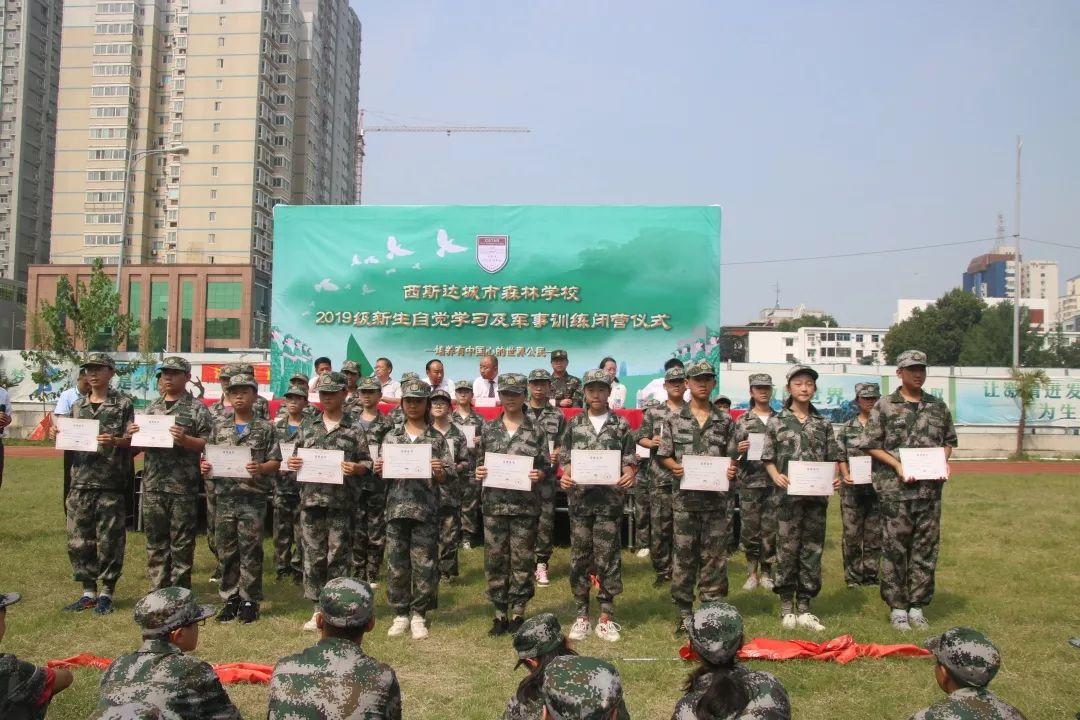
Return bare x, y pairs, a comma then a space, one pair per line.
819, 127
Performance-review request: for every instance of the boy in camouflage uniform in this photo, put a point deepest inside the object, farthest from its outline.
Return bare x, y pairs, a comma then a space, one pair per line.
966, 663
160, 673
450, 492
95, 502
910, 509
335, 678
702, 519
859, 503
565, 388
369, 520
171, 479
510, 516
25, 689
219, 411
242, 501
799, 432
287, 537
596, 510
553, 422
351, 370
309, 409
472, 528
582, 688
326, 510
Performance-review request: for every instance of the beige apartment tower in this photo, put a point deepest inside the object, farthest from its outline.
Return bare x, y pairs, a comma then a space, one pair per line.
192, 108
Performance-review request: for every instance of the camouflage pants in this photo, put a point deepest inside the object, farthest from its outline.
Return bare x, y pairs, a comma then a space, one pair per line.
449, 539
662, 530
238, 537
211, 514
800, 538
757, 509
412, 566
595, 545
327, 549
96, 536
369, 529
170, 523
862, 534
287, 534
700, 557
545, 526
910, 543
509, 559
642, 516
472, 520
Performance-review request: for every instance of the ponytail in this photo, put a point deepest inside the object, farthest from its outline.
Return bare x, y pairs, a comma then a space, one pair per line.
724, 696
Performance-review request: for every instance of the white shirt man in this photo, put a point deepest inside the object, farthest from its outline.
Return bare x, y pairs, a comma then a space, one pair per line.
391, 388
484, 387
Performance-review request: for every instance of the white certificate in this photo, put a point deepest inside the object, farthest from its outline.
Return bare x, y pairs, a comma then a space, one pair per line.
482, 401
810, 478
643, 452
406, 461
509, 472
704, 472
757, 444
469, 431
595, 467
373, 451
859, 469
924, 463
229, 460
321, 466
153, 431
72, 434
551, 448
286, 452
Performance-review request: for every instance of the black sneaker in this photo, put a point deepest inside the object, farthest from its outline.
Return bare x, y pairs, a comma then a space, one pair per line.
499, 627
661, 581
298, 577
249, 611
83, 603
103, 606
515, 624
229, 611
680, 627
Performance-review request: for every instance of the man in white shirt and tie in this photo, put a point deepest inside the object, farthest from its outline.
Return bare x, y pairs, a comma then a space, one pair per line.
484, 386
391, 388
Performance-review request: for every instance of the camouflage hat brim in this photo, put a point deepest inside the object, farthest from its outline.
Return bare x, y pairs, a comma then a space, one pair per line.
247, 384
7, 599
512, 389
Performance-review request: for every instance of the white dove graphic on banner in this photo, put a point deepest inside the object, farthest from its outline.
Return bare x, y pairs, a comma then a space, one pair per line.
446, 244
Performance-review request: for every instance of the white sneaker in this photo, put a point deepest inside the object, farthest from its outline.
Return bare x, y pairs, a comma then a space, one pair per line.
397, 628
580, 629
810, 622
899, 620
419, 628
752, 581
373, 584
789, 621
466, 546
642, 553
310, 625
917, 619
608, 630
541, 575
765, 580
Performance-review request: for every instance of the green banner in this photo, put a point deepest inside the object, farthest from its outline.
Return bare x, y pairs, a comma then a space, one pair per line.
413, 283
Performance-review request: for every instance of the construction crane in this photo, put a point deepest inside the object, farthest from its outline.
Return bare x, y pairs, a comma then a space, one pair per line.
448, 129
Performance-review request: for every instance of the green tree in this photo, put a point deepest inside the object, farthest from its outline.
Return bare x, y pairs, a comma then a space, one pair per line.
1028, 383
989, 341
1056, 351
807, 321
938, 330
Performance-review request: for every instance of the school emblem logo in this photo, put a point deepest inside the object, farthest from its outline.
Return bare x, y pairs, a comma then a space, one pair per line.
492, 252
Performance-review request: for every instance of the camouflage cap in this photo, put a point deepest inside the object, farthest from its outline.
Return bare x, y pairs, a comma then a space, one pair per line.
350, 366
867, 390
242, 380
592, 377
716, 632
463, 385
700, 368
559, 355
9, 599
301, 377
127, 711
297, 389
675, 374
346, 603
174, 362
369, 382
722, 399
911, 358
967, 654
330, 382
226, 371
513, 383
415, 388
538, 635
539, 375
245, 369
98, 359
801, 370
580, 688
761, 380
168, 609
406, 377
440, 394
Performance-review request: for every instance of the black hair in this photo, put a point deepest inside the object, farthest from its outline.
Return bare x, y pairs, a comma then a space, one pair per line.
354, 634
611, 359
428, 366
788, 400
529, 688
723, 400
389, 365
321, 360
725, 696
672, 363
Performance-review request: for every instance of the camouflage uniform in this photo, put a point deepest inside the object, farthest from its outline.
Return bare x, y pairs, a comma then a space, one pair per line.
170, 491
582, 688
326, 511
472, 527
95, 503
702, 519
335, 678
182, 687
352, 400
412, 530
450, 501
369, 520
287, 504
127, 711
716, 634
23, 686
800, 534
553, 423
972, 661
859, 506
758, 496
310, 411
510, 516
910, 512
661, 514
537, 636
567, 386
596, 510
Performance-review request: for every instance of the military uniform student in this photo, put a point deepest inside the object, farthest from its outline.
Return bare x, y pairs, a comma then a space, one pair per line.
242, 501
702, 518
171, 479
450, 492
369, 521
859, 507
299, 378
335, 679
510, 516
553, 422
582, 688
799, 432
537, 642
25, 689
219, 410
288, 546
95, 504
565, 388
350, 370
596, 510
472, 527
412, 509
326, 510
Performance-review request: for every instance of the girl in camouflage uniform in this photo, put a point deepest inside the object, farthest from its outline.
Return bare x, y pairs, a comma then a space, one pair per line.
450, 492
472, 529
537, 643
287, 491
859, 507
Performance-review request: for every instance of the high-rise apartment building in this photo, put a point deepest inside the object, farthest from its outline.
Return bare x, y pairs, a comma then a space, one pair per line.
1039, 280
30, 55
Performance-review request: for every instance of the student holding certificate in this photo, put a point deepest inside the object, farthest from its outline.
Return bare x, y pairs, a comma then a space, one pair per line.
510, 515
450, 492
369, 521
415, 459
241, 497
596, 503
910, 505
553, 422
858, 502
95, 502
800, 433
472, 526
702, 517
326, 508
288, 548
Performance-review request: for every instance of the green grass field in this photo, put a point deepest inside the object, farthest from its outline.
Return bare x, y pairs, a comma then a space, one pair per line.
1008, 567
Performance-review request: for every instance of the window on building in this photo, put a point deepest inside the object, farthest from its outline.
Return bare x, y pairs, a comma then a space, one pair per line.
213, 194
187, 308
217, 127
134, 310
213, 170
211, 238
215, 149
789, 342
223, 295
222, 329
221, 42
217, 105
212, 216
874, 338
858, 338
159, 314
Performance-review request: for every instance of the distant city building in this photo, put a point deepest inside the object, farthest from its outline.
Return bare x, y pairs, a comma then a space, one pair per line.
855, 345
775, 315
1039, 281
1069, 306
992, 275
